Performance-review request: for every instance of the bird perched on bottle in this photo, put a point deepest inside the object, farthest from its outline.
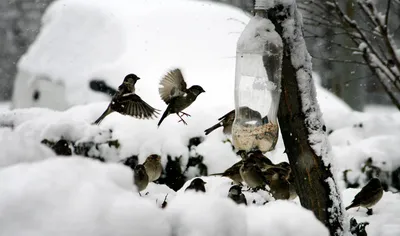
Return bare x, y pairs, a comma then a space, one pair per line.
252, 174
227, 120
235, 193
197, 185
369, 195
141, 179
127, 102
153, 167
233, 173
174, 93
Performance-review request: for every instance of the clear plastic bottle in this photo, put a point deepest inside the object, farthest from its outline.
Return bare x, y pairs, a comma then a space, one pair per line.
257, 86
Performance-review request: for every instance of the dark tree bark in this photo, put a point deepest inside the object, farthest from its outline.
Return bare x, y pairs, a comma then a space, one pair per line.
299, 119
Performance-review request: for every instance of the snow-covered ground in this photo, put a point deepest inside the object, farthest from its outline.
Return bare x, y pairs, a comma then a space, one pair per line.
45, 194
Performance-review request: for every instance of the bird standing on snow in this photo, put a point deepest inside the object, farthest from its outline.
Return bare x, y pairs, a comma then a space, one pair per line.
235, 193
174, 93
197, 184
153, 167
126, 102
141, 178
369, 195
233, 172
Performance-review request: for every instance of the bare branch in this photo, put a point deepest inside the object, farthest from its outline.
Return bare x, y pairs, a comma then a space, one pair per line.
339, 60
387, 12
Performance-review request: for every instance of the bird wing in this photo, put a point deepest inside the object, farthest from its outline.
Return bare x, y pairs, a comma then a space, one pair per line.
366, 193
172, 85
231, 113
131, 104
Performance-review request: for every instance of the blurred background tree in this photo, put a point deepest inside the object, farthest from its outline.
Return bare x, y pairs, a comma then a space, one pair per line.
19, 24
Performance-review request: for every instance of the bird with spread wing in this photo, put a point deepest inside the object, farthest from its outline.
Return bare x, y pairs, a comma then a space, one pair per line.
174, 93
127, 102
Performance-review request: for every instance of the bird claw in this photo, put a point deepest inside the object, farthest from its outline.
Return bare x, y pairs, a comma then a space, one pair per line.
181, 120
186, 114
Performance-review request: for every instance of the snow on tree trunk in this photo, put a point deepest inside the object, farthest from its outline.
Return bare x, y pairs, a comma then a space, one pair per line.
302, 127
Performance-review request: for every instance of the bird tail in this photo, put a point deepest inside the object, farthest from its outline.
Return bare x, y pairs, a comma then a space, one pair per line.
105, 113
165, 114
212, 128
351, 206
216, 174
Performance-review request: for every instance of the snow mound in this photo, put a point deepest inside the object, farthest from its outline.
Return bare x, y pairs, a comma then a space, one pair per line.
281, 218
17, 148
75, 196
196, 214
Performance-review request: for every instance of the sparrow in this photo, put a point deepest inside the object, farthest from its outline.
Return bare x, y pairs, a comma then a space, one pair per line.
227, 120
99, 85
233, 172
153, 167
290, 178
279, 186
252, 174
235, 193
262, 161
174, 93
126, 102
197, 184
369, 195
141, 178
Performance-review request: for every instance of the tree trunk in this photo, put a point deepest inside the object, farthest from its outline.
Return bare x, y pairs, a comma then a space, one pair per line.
302, 127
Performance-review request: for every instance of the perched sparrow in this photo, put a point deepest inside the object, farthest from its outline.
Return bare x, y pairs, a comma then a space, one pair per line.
153, 167
279, 186
141, 177
126, 102
235, 193
369, 195
262, 161
197, 184
252, 174
233, 173
174, 93
225, 121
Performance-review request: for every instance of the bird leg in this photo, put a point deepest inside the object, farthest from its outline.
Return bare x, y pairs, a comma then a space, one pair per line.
181, 119
184, 113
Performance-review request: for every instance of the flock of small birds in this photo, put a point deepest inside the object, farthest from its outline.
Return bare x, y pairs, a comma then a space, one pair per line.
254, 168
